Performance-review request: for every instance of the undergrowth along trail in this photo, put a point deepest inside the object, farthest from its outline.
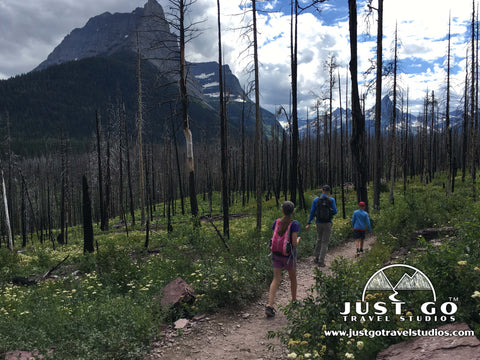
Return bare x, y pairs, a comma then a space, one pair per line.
242, 334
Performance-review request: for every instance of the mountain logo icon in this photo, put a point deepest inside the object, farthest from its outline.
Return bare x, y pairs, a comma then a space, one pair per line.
417, 281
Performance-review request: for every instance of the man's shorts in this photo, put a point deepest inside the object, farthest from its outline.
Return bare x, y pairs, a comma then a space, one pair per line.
357, 234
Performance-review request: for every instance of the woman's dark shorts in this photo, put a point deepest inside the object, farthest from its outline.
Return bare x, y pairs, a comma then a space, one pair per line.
284, 262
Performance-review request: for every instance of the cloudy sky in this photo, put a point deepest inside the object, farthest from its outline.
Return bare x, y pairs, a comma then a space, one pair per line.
30, 30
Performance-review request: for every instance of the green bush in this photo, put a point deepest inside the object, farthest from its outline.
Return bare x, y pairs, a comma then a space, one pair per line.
453, 268
9, 265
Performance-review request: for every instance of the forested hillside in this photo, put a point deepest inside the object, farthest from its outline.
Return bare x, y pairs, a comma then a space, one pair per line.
62, 101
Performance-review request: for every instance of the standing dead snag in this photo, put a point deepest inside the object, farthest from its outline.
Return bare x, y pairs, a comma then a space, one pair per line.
258, 123
182, 8
357, 141
87, 219
141, 176
103, 218
7, 216
223, 134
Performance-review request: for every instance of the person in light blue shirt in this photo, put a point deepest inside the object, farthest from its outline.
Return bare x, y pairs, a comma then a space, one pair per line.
360, 224
324, 225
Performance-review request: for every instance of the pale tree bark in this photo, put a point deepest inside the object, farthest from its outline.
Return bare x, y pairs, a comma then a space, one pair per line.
184, 103
7, 215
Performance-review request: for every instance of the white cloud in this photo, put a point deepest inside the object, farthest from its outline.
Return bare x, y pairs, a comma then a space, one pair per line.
32, 28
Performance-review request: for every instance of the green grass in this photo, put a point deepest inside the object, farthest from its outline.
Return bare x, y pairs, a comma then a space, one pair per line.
103, 305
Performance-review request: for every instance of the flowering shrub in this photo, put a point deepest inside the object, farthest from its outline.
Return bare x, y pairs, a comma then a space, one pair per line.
453, 268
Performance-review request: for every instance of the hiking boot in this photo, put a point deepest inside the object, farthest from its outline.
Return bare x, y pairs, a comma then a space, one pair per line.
269, 311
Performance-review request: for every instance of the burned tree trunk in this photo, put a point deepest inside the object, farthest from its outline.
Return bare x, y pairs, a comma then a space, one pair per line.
357, 142
87, 219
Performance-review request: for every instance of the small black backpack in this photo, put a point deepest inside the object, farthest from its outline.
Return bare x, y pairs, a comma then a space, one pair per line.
324, 212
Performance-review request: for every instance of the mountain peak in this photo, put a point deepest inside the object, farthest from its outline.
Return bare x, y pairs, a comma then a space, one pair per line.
152, 7
107, 33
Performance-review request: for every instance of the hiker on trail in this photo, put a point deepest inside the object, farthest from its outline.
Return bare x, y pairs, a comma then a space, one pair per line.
284, 253
360, 223
323, 208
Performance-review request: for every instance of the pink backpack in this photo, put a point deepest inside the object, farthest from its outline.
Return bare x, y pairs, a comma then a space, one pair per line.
281, 244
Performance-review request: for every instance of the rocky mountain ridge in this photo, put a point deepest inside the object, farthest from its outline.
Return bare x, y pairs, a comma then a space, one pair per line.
144, 29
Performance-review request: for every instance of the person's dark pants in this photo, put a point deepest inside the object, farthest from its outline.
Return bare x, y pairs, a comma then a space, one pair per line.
323, 237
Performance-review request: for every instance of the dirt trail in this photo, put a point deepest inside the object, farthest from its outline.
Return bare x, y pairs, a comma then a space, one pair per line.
242, 335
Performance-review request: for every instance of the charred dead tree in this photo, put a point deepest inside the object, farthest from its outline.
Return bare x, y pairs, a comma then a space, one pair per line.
182, 7
177, 162
378, 109
357, 143
223, 134
393, 126
103, 218
141, 176
129, 172
87, 218
258, 124
342, 158
473, 109
294, 133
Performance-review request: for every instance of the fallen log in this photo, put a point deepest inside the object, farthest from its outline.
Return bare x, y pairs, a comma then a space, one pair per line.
434, 233
49, 272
